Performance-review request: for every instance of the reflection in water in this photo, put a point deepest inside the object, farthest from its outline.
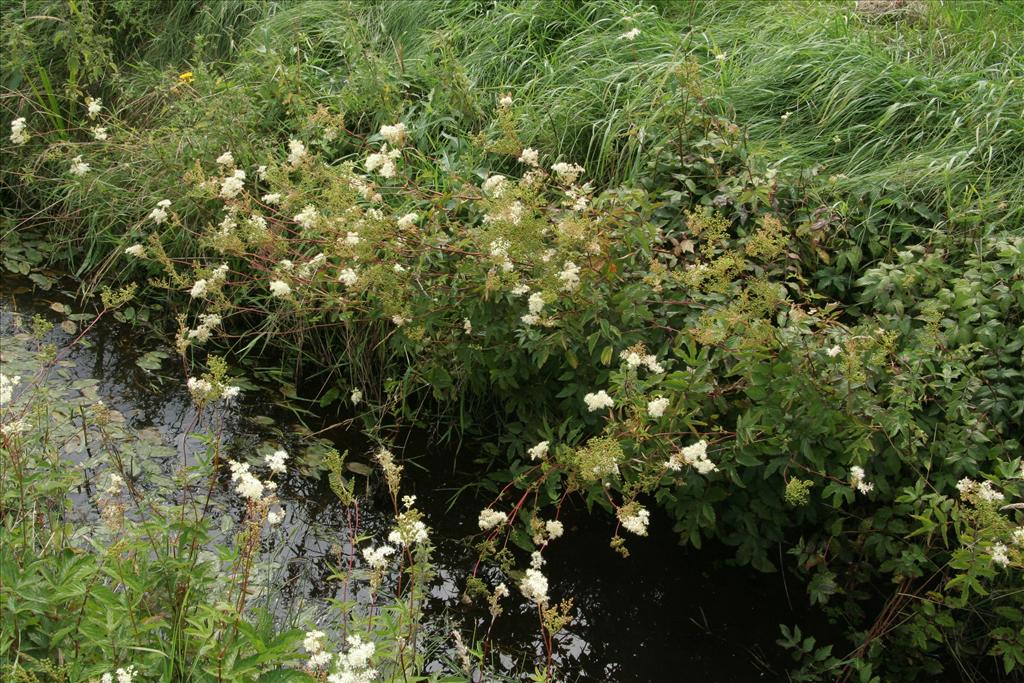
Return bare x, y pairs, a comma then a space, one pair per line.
664, 614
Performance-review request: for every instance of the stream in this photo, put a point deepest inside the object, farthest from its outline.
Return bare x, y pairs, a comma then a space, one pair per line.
666, 613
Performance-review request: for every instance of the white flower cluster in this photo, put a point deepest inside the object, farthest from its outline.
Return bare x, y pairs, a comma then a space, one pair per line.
631, 34
201, 334
538, 452
567, 173
136, 250
377, 558
203, 390
530, 157
248, 486
217, 277
409, 530
534, 586
499, 252
296, 153
569, 276
280, 289
272, 198
973, 491
656, 408
353, 666
554, 528
93, 106
494, 186
276, 461
1017, 536
159, 214
535, 305
79, 167
635, 518
490, 519
408, 221
383, 162
314, 646
834, 351
348, 277
123, 675
858, 481
1000, 554
634, 359
232, 184
394, 135
694, 455
226, 159
7, 384
99, 133
19, 136
598, 401
356, 397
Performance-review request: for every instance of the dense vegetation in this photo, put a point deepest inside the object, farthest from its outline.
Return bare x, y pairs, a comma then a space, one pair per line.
763, 270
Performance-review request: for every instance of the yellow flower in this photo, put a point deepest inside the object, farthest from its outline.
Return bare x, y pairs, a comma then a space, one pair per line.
185, 77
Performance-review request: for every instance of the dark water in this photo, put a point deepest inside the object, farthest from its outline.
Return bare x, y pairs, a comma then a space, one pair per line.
664, 614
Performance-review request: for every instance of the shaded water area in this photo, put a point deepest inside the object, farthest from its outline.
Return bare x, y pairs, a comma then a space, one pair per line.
666, 613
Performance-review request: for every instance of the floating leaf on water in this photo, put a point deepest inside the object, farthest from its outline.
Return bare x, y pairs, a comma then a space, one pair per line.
69, 327
44, 282
152, 360
262, 420
58, 307
359, 468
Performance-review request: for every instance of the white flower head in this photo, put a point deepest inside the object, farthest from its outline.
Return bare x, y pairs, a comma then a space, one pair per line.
79, 167
348, 277
233, 184
99, 133
534, 586
834, 351
307, 217
408, 221
19, 135
1000, 555
530, 157
280, 288
296, 153
635, 518
539, 452
199, 288
656, 408
93, 106
494, 186
356, 397
597, 401
490, 519
226, 159
394, 135
276, 461
630, 34
136, 250
858, 481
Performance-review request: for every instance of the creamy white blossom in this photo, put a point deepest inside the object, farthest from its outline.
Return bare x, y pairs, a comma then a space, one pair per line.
1000, 555
569, 276
93, 106
276, 461
280, 288
530, 157
383, 162
490, 518
631, 34
393, 135
833, 351
554, 528
539, 452
982, 491
230, 393
356, 397
377, 558
99, 133
275, 517
79, 167
199, 288
535, 303
296, 153
567, 173
656, 408
19, 136
226, 159
635, 518
408, 221
352, 238
467, 326
597, 401
136, 250
307, 217
695, 455
534, 586
233, 184
159, 214
7, 384
272, 198
494, 185
858, 481
348, 277
505, 101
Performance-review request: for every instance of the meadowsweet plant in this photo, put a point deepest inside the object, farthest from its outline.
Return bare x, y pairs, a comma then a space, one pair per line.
804, 347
